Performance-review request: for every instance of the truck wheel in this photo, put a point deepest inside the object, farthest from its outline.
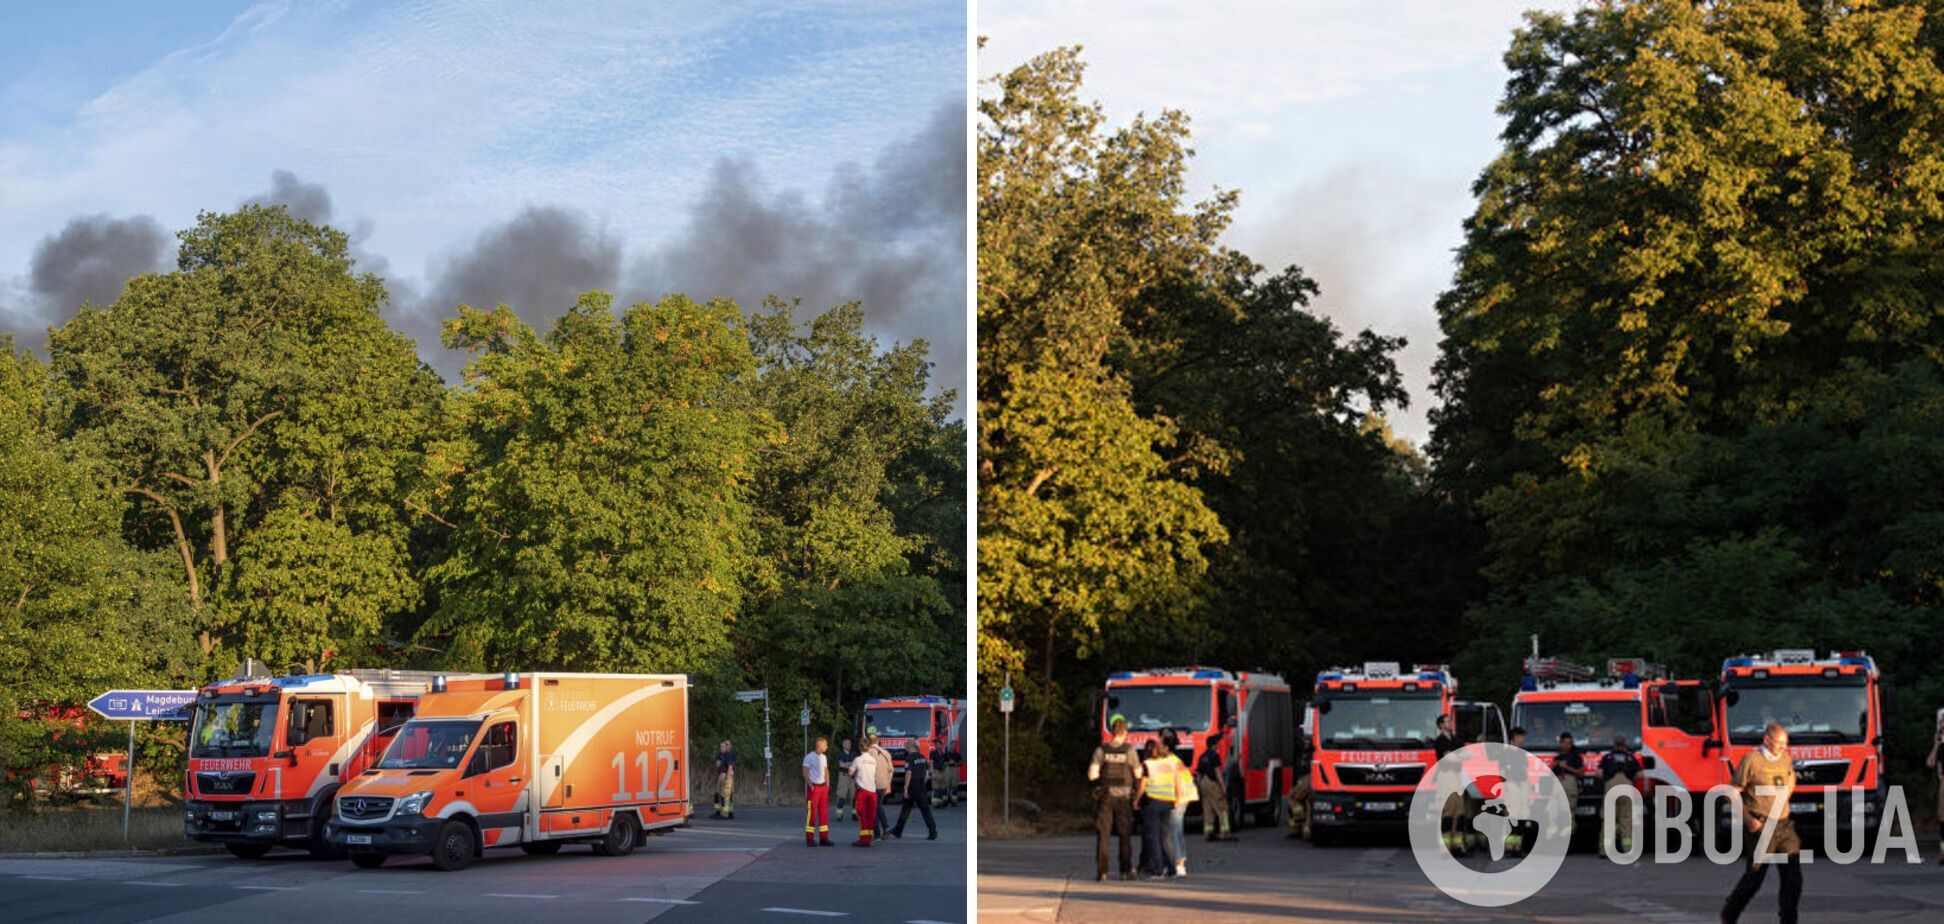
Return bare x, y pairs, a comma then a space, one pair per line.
367, 860
320, 847
541, 848
452, 850
248, 850
621, 838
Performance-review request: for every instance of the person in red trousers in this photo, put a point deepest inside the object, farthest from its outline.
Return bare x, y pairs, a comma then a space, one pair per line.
816, 796
865, 770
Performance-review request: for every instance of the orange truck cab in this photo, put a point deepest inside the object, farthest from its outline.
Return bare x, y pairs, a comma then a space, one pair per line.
266, 755
1668, 723
905, 723
1834, 710
1371, 738
533, 760
1250, 712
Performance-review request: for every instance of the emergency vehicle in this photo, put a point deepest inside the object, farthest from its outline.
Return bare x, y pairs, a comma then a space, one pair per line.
266, 755
1668, 723
1834, 710
81, 776
533, 760
906, 722
1250, 711
1371, 734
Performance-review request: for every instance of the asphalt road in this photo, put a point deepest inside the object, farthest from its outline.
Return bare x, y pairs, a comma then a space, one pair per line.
1266, 876
753, 868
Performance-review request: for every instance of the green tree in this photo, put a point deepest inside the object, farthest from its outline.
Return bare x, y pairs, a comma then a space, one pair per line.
598, 500
255, 406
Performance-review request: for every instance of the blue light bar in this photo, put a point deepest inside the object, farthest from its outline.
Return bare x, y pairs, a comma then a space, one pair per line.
1430, 675
1743, 661
1630, 680
1329, 675
303, 681
1528, 683
1208, 675
1856, 661
1121, 675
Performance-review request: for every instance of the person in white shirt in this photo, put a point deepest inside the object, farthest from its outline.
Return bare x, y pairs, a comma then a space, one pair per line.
816, 796
865, 771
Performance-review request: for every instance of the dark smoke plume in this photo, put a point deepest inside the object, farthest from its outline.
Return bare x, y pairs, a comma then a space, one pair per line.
891, 236
308, 201
86, 262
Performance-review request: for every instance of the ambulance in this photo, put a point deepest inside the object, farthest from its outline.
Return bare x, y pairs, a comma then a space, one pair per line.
1370, 739
267, 755
528, 760
907, 722
1250, 711
1833, 708
1668, 723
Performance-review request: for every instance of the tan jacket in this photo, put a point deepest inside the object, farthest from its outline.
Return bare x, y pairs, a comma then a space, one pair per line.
885, 768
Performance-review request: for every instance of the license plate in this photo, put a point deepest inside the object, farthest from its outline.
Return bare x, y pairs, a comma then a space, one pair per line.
1802, 806
357, 838
1380, 806
222, 816
1587, 809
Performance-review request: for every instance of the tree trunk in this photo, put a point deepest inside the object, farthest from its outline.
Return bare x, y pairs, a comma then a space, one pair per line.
1046, 709
218, 534
182, 543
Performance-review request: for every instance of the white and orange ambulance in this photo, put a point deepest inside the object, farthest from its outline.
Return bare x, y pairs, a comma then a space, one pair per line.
266, 755
528, 760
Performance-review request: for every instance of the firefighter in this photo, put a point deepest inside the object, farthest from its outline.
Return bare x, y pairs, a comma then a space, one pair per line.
1518, 790
1936, 764
725, 772
1214, 797
864, 772
1116, 773
1619, 768
917, 794
1452, 820
1570, 767
1298, 799
885, 768
943, 760
846, 787
1767, 778
816, 796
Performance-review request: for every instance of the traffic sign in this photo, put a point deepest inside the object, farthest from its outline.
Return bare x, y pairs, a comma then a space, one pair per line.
803, 718
1005, 699
750, 696
140, 705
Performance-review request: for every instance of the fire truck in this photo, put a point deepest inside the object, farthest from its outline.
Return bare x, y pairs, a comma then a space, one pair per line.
1669, 723
906, 722
1250, 711
266, 755
76, 775
1371, 733
535, 761
1834, 710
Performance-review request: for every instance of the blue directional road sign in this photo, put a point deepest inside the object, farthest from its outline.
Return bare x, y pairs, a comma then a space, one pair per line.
155, 705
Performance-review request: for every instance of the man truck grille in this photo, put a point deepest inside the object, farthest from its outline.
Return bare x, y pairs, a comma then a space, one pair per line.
1387, 776
225, 784
1822, 773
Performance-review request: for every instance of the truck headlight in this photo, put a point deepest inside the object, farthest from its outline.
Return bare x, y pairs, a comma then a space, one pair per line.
266, 816
414, 803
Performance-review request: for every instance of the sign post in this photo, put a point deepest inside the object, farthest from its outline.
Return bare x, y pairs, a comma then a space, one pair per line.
140, 706
803, 718
1006, 709
750, 696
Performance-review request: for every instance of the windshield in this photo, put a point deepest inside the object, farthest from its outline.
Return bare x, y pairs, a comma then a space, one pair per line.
1593, 724
908, 722
1378, 720
426, 745
1814, 712
1154, 708
234, 728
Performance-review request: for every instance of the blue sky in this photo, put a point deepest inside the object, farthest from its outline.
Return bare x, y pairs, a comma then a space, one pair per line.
1352, 129
430, 124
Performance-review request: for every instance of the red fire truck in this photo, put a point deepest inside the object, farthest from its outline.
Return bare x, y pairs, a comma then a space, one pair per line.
1834, 710
1669, 723
904, 722
1371, 732
266, 755
75, 776
1250, 711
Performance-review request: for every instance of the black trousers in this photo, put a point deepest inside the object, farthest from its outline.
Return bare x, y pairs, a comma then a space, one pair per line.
1751, 882
922, 802
1114, 815
883, 821
1157, 837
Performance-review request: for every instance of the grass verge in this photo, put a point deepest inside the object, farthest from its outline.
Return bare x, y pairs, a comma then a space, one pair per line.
85, 827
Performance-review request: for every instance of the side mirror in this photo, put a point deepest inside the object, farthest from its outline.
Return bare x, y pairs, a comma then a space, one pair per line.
1323, 707
1711, 744
1731, 696
1647, 763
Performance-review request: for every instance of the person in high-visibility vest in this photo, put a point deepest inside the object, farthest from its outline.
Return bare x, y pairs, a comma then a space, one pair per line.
864, 769
1158, 797
1186, 791
816, 796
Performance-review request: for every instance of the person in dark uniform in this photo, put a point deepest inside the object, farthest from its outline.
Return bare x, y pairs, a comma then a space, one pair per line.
917, 793
1458, 807
725, 771
846, 787
1617, 769
1116, 775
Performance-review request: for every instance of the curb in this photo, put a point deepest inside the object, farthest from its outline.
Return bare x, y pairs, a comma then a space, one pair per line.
109, 854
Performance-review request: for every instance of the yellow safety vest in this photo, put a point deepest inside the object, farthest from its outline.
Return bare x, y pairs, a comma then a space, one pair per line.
1163, 776
1185, 782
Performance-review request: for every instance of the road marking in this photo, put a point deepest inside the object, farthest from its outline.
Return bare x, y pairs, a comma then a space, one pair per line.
268, 888
663, 901
517, 895
393, 891
923, 921
1652, 910
810, 911
50, 878
708, 850
166, 885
